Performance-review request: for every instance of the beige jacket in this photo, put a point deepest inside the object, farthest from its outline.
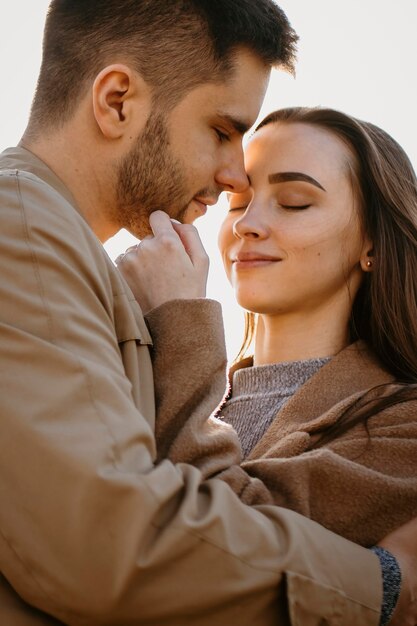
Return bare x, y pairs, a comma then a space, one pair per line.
92, 530
361, 485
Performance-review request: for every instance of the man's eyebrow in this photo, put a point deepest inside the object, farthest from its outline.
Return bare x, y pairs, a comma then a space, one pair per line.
239, 125
284, 177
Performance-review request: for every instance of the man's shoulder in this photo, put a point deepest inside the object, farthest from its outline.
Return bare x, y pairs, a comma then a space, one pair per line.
18, 185
28, 198
37, 214
25, 177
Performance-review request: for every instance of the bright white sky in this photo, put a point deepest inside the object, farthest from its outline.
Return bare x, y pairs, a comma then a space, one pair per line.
355, 55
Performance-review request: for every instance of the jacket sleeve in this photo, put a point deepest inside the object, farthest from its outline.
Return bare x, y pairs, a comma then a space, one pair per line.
362, 486
190, 382
92, 530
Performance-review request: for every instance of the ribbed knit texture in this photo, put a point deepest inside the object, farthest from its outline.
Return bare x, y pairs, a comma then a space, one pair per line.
391, 583
259, 392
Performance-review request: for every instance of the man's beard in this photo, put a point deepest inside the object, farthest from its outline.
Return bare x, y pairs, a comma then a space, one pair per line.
150, 178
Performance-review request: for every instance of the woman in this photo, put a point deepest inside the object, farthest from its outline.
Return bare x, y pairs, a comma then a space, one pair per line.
322, 251
323, 248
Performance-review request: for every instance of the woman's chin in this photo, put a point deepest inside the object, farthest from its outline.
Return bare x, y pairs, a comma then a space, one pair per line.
257, 306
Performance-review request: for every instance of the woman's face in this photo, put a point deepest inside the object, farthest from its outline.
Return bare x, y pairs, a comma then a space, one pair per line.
294, 242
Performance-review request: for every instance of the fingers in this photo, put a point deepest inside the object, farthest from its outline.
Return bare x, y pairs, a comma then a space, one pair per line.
192, 243
131, 249
165, 233
161, 224
171, 264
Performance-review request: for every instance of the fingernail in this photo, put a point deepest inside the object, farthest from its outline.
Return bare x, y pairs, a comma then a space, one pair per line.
175, 221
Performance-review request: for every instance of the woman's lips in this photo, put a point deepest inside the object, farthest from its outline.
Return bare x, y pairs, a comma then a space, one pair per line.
252, 260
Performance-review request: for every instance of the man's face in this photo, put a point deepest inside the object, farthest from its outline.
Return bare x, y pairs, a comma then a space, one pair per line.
183, 160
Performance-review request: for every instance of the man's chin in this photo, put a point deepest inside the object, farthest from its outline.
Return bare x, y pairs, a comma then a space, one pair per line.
141, 228
192, 212
140, 231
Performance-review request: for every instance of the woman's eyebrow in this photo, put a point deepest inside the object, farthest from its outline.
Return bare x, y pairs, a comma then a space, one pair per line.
284, 177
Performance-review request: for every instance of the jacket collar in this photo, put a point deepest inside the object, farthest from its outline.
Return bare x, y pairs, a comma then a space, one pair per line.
327, 393
19, 158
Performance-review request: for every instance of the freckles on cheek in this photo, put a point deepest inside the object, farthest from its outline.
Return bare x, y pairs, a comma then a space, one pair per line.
308, 251
311, 256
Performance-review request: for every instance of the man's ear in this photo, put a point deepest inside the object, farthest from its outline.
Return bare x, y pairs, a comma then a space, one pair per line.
121, 101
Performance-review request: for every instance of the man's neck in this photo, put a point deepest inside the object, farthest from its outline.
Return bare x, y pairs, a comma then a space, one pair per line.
81, 174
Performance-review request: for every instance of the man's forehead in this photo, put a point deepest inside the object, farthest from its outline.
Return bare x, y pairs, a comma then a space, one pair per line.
244, 90
236, 99
240, 107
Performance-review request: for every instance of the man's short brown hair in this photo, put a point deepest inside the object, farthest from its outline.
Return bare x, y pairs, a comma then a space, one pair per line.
175, 45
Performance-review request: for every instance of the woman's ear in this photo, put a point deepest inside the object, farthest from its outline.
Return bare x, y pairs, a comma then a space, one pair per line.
121, 101
367, 258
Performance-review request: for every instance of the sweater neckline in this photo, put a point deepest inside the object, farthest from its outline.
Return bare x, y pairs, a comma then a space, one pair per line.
288, 375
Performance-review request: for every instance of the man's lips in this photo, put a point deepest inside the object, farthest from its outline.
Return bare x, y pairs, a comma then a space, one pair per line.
203, 203
201, 206
248, 260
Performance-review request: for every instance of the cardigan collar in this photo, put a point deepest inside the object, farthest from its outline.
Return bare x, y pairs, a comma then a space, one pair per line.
326, 394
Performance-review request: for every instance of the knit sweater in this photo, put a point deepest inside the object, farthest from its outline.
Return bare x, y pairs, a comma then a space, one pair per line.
259, 392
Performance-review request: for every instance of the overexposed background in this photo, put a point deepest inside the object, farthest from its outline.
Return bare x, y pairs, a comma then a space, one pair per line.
355, 55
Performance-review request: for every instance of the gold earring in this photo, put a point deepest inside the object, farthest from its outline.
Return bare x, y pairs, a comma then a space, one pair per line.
369, 263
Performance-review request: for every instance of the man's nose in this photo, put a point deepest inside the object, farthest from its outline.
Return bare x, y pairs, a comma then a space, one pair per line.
232, 176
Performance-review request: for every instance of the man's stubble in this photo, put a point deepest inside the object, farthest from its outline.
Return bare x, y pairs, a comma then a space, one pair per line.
150, 178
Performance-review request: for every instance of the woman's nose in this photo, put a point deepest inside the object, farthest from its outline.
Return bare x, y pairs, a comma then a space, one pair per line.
251, 224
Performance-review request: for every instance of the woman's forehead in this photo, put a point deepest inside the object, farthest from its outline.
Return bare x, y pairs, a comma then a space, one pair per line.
298, 146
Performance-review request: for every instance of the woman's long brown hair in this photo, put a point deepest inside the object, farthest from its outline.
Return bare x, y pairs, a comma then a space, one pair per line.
384, 312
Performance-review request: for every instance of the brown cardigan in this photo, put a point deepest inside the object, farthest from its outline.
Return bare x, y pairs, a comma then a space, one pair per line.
362, 485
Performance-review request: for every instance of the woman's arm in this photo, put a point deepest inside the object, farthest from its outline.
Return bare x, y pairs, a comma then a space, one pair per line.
362, 485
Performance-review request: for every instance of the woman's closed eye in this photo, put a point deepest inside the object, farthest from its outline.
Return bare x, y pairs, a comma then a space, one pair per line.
242, 207
295, 207
293, 201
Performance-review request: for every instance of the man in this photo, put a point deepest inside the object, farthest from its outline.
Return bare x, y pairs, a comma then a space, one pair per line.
139, 105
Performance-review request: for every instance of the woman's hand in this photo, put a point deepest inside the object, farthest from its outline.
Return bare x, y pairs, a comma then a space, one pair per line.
170, 265
402, 543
